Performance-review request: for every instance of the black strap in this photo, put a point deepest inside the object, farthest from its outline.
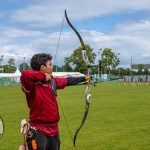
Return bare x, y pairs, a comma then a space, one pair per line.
54, 89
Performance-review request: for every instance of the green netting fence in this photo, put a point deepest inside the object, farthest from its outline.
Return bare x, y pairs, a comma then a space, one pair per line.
9, 81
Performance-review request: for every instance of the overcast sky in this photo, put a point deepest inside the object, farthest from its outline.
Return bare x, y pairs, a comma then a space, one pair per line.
29, 27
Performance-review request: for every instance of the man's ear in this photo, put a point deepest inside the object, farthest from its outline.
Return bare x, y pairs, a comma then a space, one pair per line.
42, 68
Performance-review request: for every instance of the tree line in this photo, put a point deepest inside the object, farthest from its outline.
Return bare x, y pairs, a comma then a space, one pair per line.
107, 64
10, 67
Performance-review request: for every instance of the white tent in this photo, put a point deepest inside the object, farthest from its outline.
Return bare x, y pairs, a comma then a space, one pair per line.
57, 74
67, 74
13, 77
16, 74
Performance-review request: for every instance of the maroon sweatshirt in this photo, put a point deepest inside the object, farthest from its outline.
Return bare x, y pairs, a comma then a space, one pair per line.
41, 100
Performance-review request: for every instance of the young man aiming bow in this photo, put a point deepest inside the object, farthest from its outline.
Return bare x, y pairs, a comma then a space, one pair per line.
40, 89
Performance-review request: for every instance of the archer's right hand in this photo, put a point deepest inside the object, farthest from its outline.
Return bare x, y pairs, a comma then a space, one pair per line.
48, 77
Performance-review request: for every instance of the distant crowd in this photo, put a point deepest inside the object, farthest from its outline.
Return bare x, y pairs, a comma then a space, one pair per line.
136, 78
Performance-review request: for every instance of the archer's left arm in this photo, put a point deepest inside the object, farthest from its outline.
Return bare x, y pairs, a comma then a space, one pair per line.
63, 82
75, 80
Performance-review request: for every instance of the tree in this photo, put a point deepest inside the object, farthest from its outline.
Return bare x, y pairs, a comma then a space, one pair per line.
140, 68
128, 71
1, 67
134, 72
76, 59
24, 66
1, 60
67, 66
146, 71
11, 62
115, 71
10, 67
109, 60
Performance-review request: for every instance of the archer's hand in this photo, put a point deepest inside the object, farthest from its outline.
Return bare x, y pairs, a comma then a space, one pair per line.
48, 77
87, 78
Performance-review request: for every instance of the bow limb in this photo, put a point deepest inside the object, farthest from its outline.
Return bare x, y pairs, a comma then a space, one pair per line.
79, 36
87, 91
83, 120
84, 55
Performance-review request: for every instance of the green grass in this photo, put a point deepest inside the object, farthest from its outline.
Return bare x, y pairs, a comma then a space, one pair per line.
118, 119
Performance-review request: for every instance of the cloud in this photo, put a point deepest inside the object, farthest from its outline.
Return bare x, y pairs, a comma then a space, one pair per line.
35, 26
128, 40
50, 13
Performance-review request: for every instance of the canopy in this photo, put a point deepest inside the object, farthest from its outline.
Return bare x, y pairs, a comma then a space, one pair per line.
16, 74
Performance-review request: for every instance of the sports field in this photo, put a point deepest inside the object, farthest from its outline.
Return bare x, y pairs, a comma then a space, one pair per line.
118, 119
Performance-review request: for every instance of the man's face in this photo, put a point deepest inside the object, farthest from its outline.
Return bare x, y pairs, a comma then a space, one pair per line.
48, 68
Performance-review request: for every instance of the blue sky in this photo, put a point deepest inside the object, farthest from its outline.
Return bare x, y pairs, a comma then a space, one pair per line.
28, 27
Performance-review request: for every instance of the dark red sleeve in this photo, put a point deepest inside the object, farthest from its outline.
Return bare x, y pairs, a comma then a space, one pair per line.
29, 77
60, 83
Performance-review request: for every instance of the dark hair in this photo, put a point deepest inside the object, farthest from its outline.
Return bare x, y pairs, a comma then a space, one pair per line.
39, 59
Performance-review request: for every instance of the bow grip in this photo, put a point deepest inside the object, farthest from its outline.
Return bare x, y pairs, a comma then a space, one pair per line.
88, 97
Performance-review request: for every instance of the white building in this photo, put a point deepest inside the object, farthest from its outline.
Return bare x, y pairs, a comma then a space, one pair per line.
135, 67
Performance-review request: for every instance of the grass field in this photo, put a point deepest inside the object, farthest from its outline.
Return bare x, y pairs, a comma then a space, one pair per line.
118, 119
